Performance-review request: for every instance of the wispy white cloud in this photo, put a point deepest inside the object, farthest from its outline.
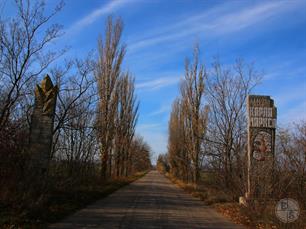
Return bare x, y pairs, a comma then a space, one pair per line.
291, 103
157, 83
290, 94
147, 126
96, 14
248, 16
221, 20
286, 71
163, 109
293, 115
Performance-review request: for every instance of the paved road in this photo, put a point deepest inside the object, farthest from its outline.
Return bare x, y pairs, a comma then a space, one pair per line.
150, 202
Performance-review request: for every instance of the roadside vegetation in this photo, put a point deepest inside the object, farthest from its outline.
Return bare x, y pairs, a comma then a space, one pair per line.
213, 195
95, 149
64, 202
207, 145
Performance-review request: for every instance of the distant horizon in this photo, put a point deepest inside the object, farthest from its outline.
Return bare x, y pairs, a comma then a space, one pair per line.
159, 36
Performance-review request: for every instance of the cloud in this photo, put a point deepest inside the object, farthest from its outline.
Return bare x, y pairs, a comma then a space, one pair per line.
293, 115
163, 109
158, 83
147, 126
96, 14
290, 94
218, 21
249, 16
285, 71
291, 103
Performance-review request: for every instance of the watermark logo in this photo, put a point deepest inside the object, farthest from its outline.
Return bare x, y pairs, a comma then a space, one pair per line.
287, 210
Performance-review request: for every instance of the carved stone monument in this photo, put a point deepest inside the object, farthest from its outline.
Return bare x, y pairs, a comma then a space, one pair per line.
261, 143
42, 123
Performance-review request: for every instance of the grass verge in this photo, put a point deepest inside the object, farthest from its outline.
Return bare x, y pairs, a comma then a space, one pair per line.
62, 203
236, 213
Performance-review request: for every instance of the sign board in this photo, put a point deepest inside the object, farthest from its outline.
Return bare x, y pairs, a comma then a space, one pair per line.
261, 143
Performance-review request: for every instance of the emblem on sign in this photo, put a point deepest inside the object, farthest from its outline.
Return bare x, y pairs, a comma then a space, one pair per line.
262, 146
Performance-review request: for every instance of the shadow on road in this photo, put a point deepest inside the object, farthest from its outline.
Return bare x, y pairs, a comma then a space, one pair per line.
151, 202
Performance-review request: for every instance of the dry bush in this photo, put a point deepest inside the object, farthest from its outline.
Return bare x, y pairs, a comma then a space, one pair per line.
290, 169
22, 192
12, 163
288, 179
162, 164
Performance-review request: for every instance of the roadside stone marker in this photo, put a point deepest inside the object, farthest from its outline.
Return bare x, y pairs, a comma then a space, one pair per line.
261, 143
42, 123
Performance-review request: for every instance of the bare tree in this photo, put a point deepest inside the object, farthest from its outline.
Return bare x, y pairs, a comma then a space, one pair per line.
162, 163
290, 166
192, 91
188, 121
107, 73
96, 110
75, 143
125, 124
24, 54
139, 156
227, 90
178, 156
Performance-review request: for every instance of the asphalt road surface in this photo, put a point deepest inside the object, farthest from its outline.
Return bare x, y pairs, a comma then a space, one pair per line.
150, 202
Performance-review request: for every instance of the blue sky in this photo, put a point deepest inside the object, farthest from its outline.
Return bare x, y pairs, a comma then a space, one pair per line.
160, 34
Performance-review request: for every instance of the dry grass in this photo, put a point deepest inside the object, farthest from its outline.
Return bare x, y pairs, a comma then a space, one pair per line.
253, 219
62, 203
222, 202
205, 191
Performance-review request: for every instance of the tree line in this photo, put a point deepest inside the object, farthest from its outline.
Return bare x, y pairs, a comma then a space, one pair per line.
208, 132
94, 137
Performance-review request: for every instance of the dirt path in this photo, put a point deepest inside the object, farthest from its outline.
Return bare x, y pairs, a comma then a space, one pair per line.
150, 202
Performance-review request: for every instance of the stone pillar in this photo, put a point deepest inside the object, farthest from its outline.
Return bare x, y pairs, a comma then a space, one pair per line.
42, 124
261, 144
